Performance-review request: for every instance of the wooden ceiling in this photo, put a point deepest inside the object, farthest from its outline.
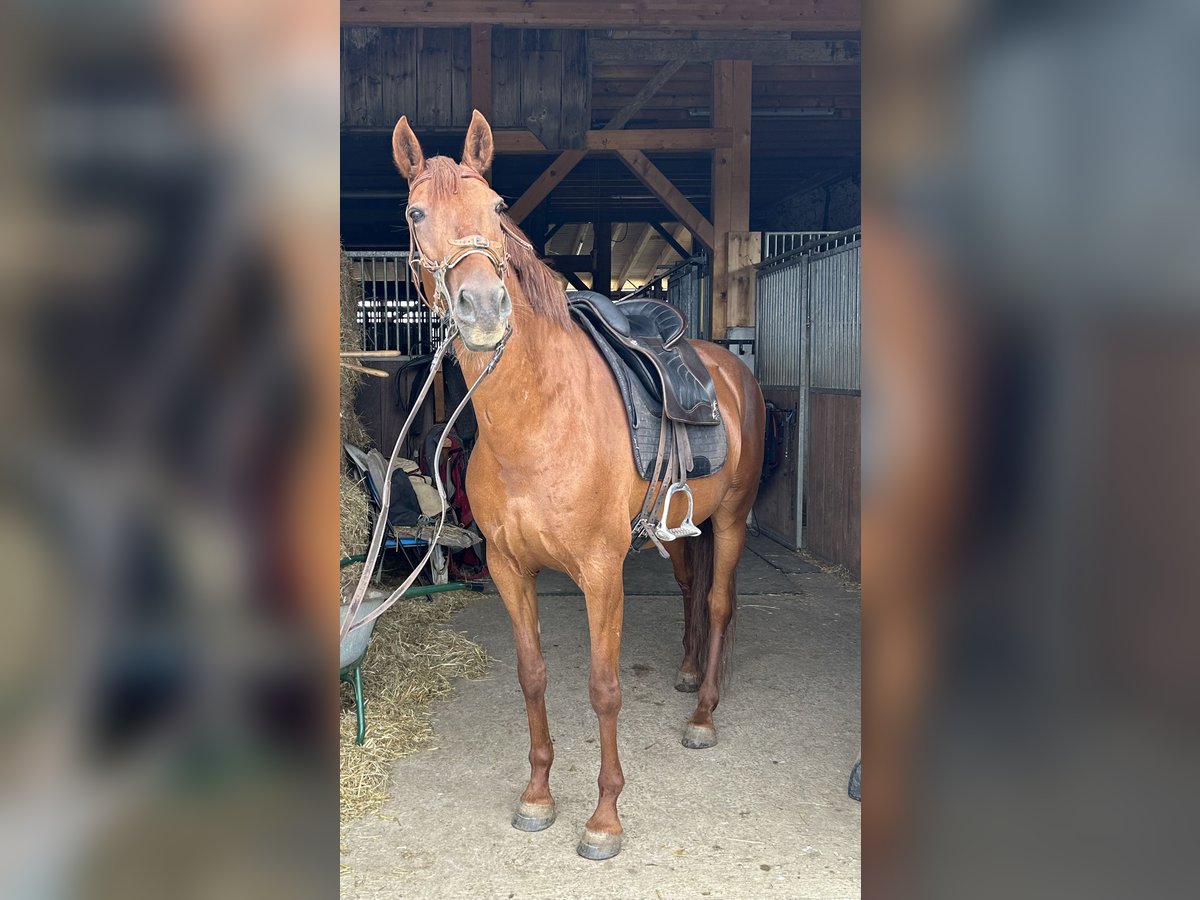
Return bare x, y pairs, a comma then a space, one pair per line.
805, 125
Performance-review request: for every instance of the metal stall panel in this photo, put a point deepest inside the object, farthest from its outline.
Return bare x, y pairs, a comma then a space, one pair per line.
781, 363
832, 459
687, 292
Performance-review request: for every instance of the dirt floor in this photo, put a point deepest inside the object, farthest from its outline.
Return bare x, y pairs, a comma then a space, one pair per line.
762, 814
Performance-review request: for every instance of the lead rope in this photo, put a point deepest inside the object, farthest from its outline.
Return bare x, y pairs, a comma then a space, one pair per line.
381, 523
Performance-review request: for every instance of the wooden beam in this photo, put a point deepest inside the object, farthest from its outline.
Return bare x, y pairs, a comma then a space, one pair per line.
566, 262
765, 15
672, 243
481, 69
517, 140
661, 77
546, 182
554, 229
681, 234
568, 159
796, 52
575, 281
602, 251
660, 139
732, 92
637, 251
670, 196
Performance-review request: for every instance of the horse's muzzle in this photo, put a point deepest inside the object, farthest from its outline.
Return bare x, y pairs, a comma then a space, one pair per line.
482, 312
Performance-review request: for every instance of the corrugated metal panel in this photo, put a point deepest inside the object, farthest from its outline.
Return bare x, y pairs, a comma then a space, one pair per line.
836, 322
779, 321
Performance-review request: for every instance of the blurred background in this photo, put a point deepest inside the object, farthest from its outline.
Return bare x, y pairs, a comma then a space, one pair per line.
169, 381
1031, 503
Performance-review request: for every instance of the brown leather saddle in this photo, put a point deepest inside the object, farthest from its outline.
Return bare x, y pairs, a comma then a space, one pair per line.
647, 337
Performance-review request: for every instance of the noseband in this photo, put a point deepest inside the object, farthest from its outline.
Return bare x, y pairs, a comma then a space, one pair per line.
496, 253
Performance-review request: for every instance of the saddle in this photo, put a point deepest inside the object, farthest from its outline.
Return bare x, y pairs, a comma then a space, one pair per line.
647, 336
656, 369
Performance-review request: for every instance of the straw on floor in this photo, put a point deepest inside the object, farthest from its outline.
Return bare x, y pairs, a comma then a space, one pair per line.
413, 660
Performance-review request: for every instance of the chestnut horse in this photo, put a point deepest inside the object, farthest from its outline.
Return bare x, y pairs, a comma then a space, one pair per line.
552, 480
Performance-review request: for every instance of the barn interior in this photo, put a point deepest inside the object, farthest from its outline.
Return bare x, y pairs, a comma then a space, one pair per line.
670, 154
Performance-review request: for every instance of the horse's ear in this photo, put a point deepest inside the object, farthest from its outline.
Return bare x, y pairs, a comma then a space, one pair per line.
406, 150
479, 148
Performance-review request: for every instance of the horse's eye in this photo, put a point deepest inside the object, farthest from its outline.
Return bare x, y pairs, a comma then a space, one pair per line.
415, 213
501, 207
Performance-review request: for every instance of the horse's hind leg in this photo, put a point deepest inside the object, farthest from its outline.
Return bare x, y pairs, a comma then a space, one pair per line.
687, 679
729, 539
536, 809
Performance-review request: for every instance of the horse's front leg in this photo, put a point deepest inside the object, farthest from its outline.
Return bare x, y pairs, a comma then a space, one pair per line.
518, 589
605, 597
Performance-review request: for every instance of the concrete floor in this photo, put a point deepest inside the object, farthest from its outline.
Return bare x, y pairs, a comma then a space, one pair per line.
762, 814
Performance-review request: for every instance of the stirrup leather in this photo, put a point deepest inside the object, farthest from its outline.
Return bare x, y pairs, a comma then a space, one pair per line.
687, 528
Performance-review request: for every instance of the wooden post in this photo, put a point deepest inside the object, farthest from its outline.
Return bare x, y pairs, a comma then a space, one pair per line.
730, 183
602, 274
481, 69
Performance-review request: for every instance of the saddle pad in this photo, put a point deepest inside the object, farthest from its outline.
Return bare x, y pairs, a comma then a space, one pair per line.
643, 415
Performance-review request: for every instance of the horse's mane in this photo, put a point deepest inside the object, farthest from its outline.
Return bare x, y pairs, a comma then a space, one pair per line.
538, 281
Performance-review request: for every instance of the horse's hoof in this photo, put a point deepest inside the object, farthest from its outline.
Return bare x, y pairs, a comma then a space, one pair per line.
599, 844
687, 682
533, 816
699, 737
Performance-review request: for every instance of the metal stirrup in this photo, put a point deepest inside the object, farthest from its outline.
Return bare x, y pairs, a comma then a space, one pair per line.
687, 528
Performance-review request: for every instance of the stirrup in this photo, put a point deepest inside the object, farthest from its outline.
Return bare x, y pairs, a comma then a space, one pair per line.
687, 528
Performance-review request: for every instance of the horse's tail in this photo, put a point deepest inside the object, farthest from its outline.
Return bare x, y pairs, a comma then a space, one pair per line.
698, 554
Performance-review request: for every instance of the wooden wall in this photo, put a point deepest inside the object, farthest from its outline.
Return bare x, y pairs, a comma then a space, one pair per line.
540, 80
834, 478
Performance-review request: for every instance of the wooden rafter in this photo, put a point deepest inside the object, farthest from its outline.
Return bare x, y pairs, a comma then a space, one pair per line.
673, 245
569, 159
669, 195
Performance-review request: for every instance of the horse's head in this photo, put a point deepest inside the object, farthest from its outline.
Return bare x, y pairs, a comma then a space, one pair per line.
454, 220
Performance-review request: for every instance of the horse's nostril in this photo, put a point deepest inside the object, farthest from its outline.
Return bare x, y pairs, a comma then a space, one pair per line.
466, 305
505, 302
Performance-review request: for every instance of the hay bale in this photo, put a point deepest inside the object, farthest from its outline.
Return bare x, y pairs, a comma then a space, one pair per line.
350, 338
355, 527
412, 661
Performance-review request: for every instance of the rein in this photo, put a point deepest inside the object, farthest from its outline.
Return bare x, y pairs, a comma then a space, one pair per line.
497, 255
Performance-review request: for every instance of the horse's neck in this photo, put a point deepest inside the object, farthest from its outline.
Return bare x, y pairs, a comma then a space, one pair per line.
522, 395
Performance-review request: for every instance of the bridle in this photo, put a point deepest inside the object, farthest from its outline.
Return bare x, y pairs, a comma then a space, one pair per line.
471, 245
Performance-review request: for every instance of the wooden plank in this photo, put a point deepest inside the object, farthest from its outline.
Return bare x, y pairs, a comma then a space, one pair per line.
705, 15
481, 69
517, 140
812, 53
398, 54
434, 105
541, 95
506, 75
739, 119
834, 478
576, 89
722, 195
546, 182
460, 77
669, 195
660, 139
744, 253
362, 77
649, 90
